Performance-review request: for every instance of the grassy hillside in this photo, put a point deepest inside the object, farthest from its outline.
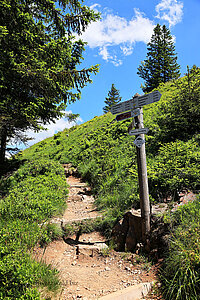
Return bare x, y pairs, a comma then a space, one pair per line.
33, 194
105, 156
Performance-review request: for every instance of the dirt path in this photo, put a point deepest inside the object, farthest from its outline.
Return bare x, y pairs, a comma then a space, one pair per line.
80, 203
88, 269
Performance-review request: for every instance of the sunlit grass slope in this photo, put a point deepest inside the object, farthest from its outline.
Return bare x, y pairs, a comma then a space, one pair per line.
105, 156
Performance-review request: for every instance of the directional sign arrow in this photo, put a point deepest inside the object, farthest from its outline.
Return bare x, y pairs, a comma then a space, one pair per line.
136, 102
128, 115
138, 131
139, 142
148, 98
123, 106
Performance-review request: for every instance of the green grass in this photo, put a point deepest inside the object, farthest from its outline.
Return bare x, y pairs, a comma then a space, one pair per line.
105, 157
102, 225
33, 194
181, 271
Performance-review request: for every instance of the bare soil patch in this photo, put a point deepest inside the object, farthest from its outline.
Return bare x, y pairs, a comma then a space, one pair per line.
89, 276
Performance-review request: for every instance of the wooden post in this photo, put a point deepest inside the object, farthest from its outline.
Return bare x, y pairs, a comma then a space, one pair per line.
143, 183
125, 108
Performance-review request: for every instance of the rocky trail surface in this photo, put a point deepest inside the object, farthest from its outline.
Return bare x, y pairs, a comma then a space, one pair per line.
88, 269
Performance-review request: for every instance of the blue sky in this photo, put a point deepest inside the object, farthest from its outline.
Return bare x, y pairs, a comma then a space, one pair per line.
118, 43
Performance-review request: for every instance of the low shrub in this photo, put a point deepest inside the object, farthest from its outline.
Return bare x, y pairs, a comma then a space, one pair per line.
51, 232
19, 275
174, 169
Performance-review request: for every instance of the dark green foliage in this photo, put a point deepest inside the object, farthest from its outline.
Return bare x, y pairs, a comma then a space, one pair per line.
174, 169
161, 62
39, 63
181, 271
177, 114
35, 192
113, 98
72, 117
182, 117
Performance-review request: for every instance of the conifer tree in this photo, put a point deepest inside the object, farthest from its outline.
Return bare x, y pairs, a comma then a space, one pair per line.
161, 62
39, 71
113, 98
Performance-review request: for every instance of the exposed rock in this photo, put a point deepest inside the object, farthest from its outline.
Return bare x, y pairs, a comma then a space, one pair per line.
119, 234
76, 198
134, 234
90, 250
159, 237
127, 232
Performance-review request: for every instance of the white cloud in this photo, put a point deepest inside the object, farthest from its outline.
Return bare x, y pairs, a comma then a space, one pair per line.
127, 49
104, 53
108, 57
113, 30
115, 36
95, 6
52, 128
170, 11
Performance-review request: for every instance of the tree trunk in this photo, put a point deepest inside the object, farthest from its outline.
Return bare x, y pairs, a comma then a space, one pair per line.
3, 144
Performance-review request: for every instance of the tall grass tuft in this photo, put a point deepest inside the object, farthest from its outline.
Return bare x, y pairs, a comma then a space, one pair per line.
181, 271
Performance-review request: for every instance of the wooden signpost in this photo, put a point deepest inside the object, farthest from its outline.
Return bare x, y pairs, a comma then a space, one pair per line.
143, 183
126, 108
136, 102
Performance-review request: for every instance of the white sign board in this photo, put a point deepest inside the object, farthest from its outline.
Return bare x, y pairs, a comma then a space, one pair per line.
138, 131
148, 98
139, 142
122, 107
136, 102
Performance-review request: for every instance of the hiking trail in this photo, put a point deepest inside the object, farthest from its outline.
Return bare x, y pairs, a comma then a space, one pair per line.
88, 269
